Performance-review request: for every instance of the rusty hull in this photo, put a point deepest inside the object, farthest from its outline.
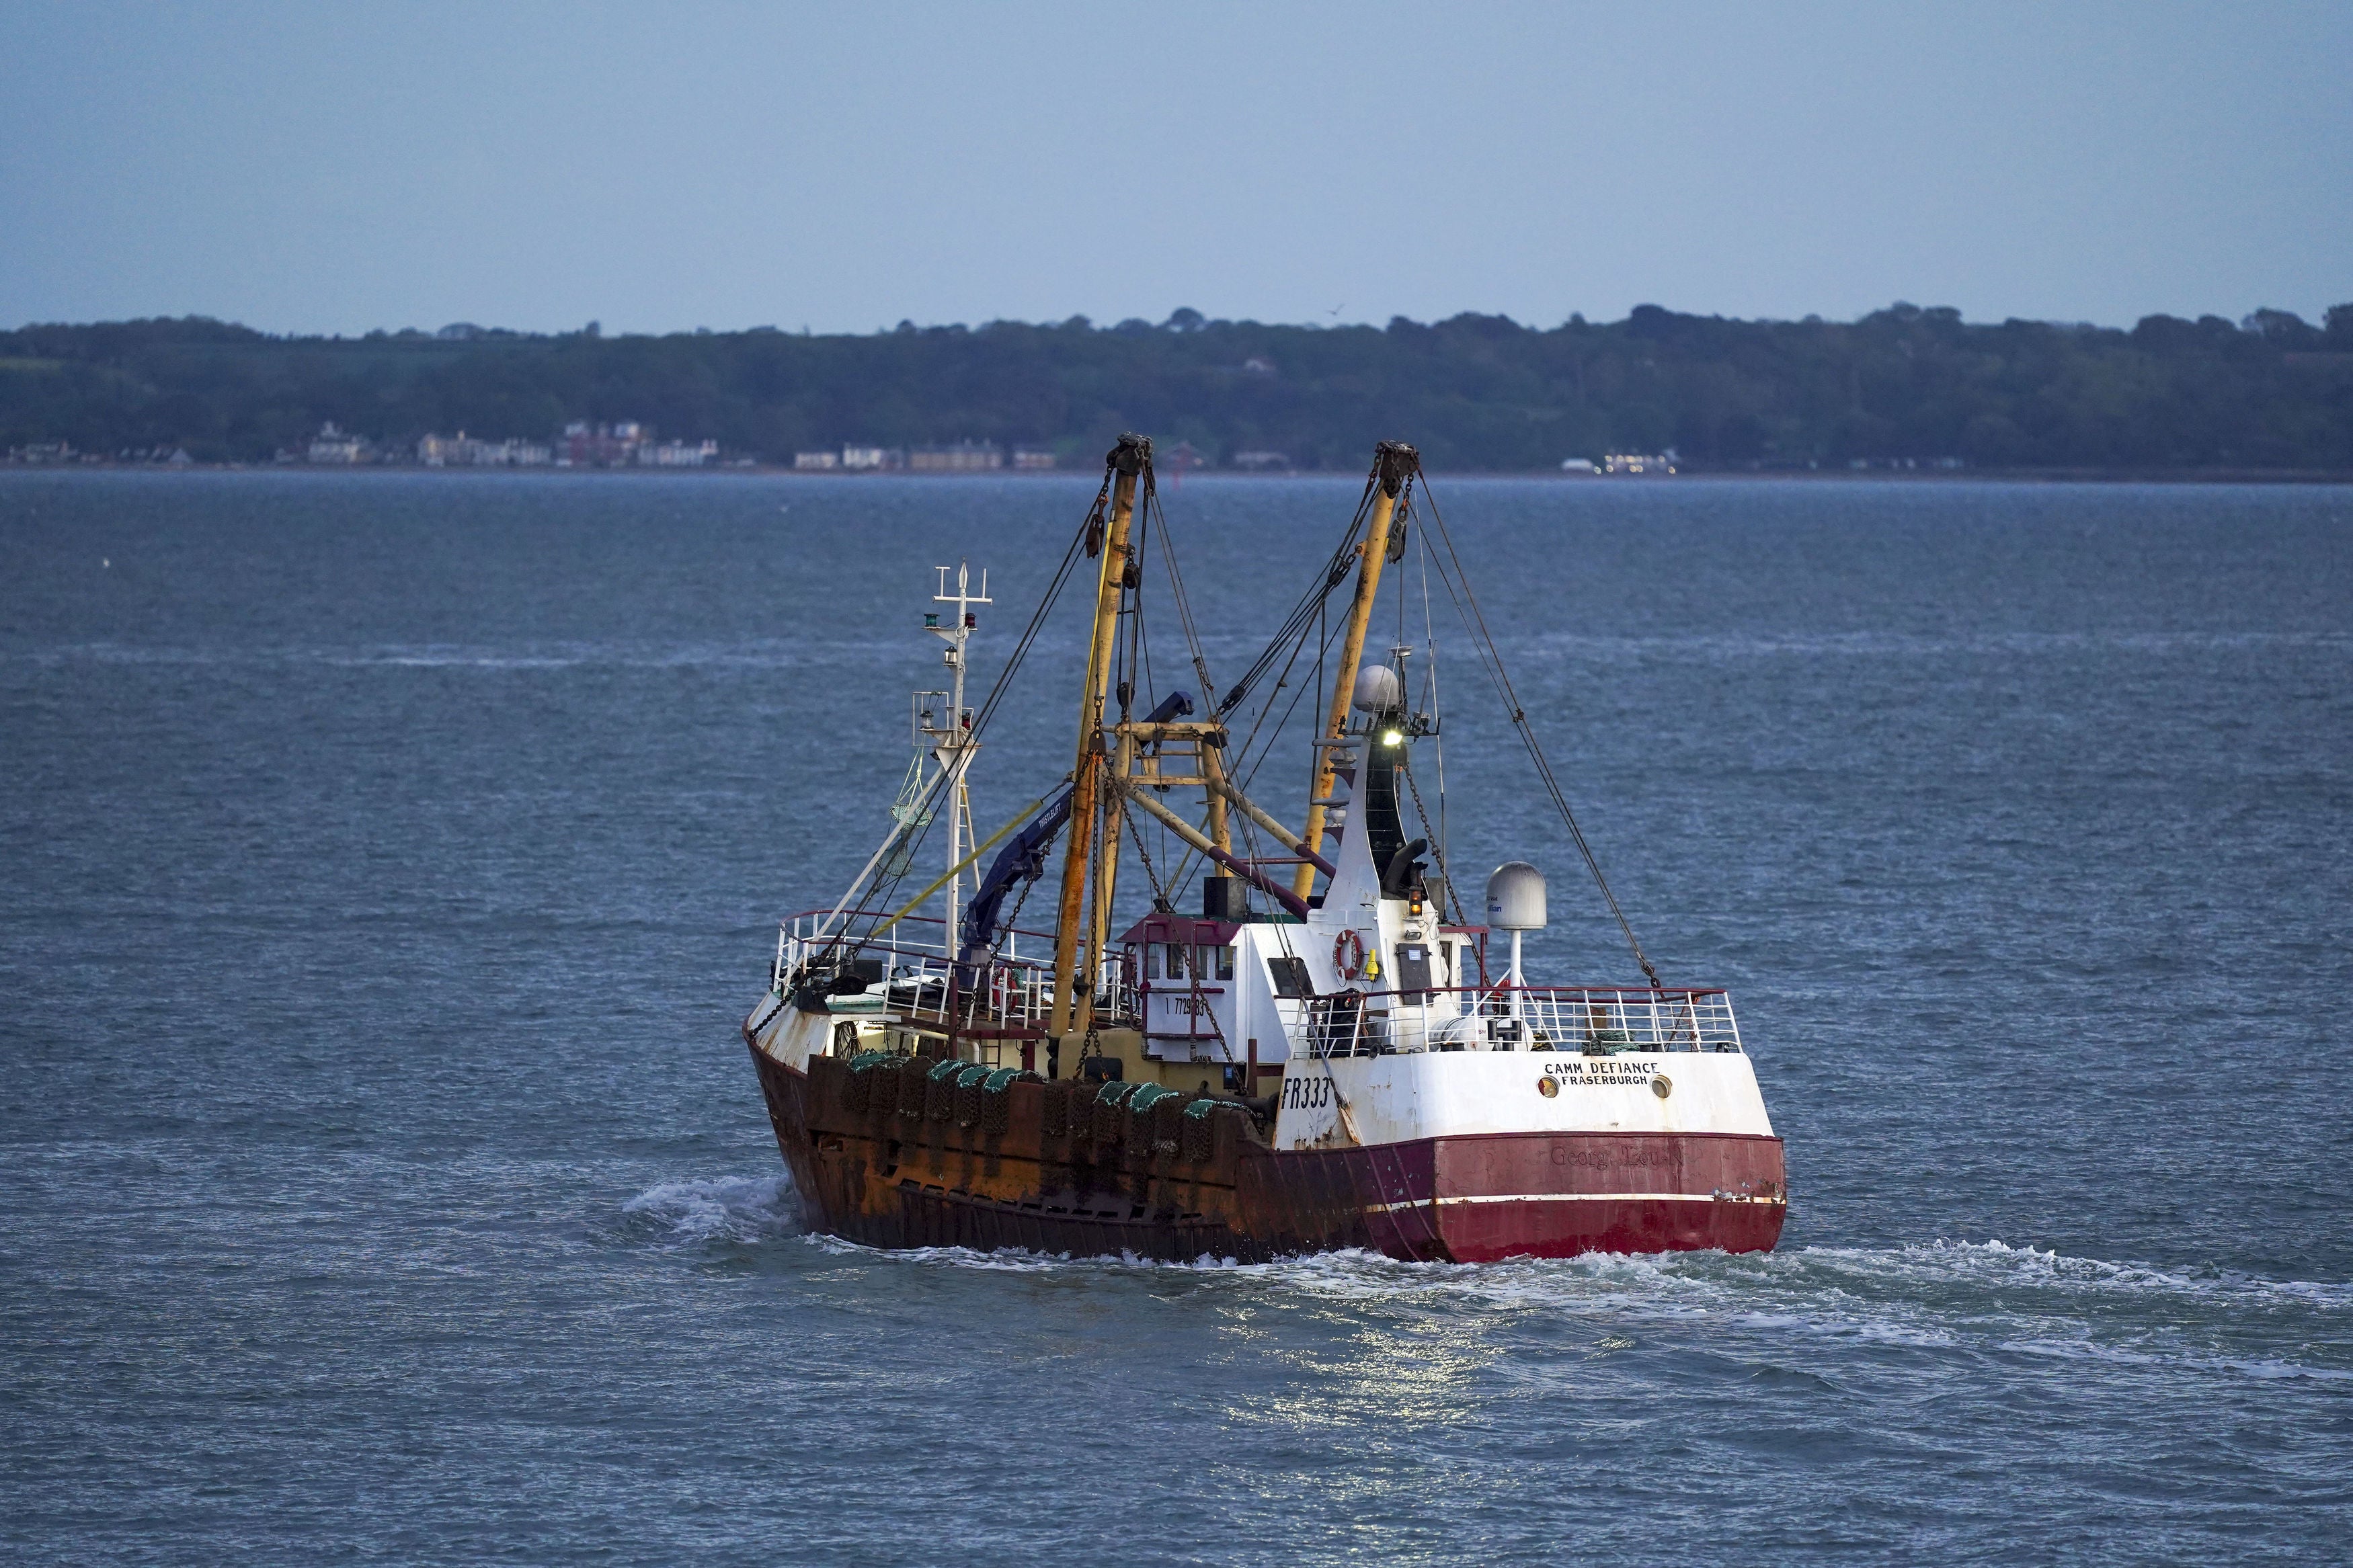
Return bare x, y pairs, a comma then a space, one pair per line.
1105, 1181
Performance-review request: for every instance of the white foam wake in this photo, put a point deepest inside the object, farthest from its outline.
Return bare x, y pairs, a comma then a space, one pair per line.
725, 1208
1974, 1298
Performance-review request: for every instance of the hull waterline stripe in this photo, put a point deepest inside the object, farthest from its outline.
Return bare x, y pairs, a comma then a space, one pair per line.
1569, 1198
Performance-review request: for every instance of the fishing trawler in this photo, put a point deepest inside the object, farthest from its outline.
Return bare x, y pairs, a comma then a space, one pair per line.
1317, 1050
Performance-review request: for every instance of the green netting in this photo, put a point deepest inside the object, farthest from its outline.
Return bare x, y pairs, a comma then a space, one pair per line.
1146, 1096
947, 1069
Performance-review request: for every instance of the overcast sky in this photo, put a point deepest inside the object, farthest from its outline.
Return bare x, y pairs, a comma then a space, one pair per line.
323, 167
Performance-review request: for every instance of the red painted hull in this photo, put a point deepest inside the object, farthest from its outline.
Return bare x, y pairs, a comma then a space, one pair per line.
1471, 1199
1484, 1197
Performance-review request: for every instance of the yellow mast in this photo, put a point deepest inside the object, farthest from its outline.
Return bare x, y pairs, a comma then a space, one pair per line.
1106, 878
1074, 971
1392, 461
1213, 769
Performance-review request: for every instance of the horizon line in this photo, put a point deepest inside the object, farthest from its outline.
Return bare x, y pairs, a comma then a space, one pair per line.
1184, 321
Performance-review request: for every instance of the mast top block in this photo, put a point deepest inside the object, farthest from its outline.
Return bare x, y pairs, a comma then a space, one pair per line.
1131, 454
1396, 462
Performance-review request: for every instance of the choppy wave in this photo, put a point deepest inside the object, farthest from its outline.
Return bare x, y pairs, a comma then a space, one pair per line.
755, 656
1716, 645
762, 655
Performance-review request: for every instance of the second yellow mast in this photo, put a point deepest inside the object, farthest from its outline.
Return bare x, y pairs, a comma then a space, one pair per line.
1393, 463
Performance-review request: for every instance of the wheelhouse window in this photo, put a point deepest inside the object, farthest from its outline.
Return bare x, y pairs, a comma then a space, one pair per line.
1289, 973
1181, 961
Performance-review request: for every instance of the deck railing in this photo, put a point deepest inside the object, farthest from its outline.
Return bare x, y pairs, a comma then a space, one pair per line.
1008, 991
1015, 995
1591, 1020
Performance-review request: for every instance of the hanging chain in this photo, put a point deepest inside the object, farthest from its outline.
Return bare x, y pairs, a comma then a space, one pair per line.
1439, 847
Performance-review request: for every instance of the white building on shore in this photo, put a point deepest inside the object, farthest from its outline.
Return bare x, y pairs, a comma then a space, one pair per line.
464, 451
340, 446
677, 453
963, 458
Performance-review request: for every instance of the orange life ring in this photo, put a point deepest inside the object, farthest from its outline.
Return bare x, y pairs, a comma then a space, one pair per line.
1348, 954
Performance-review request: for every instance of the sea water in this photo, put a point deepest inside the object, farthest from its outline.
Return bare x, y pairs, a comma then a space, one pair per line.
386, 863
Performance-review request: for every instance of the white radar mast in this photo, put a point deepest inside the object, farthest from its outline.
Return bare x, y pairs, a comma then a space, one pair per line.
948, 736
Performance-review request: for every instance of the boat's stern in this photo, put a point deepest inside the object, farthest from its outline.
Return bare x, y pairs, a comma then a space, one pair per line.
1478, 1155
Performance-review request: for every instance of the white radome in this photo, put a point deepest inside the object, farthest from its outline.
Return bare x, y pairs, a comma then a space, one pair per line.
1515, 897
1378, 689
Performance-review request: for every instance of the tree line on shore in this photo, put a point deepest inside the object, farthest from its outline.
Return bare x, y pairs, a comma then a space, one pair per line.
1476, 393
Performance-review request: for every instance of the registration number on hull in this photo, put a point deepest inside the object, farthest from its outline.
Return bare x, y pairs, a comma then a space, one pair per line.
1306, 1093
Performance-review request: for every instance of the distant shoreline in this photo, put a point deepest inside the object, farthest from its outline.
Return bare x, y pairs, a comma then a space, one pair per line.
1901, 391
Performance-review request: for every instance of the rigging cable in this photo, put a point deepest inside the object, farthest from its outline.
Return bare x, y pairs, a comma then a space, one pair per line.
1183, 606
1437, 741
1245, 770
1128, 625
1310, 604
1307, 613
1474, 621
1088, 533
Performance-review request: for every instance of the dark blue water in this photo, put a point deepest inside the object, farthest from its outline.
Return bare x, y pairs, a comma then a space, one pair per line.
386, 862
